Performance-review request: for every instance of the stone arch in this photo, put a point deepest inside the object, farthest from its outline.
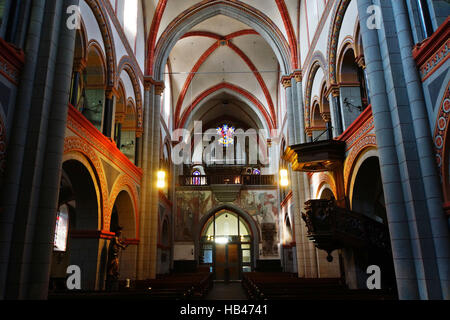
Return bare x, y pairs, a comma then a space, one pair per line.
333, 39
127, 65
96, 47
318, 62
108, 40
365, 149
347, 46
85, 163
81, 199
442, 143
81, 42
74, 145
325, 180
255, 230
124, 184
205, 10
256, 106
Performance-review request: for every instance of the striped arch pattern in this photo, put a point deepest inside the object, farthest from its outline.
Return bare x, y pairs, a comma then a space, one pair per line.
108, 40
126, 64
72, 144
367, 141
333, 40
124, 183
440, 138
319, 62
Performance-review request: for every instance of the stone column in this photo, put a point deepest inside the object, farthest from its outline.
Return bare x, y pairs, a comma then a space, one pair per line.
147, 252
156, 157
26, 216
306, 252
16, 148
287, 84
432, 185
300, 108
78, 68
336, 115
49, 194
404, 260
108, 114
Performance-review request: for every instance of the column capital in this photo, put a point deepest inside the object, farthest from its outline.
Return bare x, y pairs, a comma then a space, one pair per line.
286, 81
361, 61
333, 90
159, 88
298, 75
111, 92
326, 116
149, 82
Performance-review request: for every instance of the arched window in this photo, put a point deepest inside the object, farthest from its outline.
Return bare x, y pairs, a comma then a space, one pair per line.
196, 180
88, 85
353, 86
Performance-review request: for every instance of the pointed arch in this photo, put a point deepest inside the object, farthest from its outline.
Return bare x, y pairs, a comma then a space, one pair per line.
126, 65
108, 40
207, 9
333, 39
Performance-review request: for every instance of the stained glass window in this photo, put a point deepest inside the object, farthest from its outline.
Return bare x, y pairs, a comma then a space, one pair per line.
196, 180
226, 132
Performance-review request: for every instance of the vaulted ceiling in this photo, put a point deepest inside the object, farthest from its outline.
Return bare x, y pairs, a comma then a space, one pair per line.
224, 54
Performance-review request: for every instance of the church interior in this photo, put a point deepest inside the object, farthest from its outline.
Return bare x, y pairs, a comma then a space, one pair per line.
281, 149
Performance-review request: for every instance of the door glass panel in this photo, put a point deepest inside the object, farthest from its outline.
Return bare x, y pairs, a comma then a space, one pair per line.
246, 256
246, 269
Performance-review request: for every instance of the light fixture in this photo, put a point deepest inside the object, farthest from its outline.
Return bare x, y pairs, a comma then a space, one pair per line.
284, 181
222, 240
161, 183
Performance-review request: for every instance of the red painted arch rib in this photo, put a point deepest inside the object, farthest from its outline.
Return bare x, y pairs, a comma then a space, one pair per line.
231, 87
153, 33
290, 31
239, 52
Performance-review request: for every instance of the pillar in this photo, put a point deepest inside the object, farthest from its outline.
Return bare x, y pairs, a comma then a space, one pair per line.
16, 148
422, 131
398, 218
78, 68
147, 251
336, 114
108, 113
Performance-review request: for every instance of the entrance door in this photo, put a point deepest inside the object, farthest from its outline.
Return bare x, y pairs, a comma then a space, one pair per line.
227, 262
226, 245
221, 261
233, 261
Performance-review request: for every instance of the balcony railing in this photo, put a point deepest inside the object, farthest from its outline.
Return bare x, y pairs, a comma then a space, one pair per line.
223, 179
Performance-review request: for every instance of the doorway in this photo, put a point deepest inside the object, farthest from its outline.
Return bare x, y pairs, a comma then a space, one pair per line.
226, 246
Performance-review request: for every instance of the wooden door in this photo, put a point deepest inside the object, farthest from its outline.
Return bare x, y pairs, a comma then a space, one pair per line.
233, 261
220, 261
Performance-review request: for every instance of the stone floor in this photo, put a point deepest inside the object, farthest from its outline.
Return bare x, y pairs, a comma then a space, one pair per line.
227, 291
